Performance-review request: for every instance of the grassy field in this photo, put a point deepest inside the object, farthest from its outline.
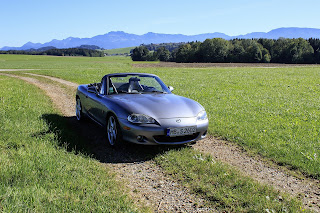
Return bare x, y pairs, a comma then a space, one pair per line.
37, 173
125, 50
273, 112
270, 111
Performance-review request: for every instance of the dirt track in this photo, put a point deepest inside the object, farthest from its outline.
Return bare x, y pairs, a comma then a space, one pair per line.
146, 181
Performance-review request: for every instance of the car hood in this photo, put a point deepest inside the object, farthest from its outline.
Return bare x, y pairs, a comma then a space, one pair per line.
158, 106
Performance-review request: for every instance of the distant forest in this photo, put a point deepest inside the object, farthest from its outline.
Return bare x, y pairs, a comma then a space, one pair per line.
84, 50
218, 50
169, 46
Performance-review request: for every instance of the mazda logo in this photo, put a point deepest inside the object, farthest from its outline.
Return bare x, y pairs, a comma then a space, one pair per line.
178, 121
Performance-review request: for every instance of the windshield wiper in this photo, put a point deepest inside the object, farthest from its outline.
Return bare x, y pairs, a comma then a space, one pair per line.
158, 91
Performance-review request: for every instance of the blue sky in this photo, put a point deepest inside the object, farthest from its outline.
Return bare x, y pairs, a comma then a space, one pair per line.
43, 20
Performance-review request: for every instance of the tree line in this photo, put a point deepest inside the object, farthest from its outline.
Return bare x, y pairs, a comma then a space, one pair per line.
58, 52
168, 46
218, 50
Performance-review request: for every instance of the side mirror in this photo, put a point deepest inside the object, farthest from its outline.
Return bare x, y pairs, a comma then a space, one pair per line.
170, 88
92, 90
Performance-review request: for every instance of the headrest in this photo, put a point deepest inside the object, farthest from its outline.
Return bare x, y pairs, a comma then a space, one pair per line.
134, 79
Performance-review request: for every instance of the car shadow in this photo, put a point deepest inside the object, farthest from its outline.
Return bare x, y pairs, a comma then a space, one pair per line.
88, 138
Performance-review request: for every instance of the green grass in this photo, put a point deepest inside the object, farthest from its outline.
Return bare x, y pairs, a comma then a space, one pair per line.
270, 111
224, 189
37, 173
125, 50
273, 112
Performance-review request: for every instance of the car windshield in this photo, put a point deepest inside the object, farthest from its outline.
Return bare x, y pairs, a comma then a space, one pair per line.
136, 84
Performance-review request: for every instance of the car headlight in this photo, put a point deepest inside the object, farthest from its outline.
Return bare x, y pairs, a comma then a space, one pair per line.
202, 116
141, 119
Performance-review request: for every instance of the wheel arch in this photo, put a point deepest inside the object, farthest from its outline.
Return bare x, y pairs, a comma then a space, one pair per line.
109, 113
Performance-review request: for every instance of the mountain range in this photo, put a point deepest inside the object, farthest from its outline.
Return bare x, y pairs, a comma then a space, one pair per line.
120, 39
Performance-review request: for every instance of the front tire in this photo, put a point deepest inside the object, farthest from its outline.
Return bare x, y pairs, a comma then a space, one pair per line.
113, 131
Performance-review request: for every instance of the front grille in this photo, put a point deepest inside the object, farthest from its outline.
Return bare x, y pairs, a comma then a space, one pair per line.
164, 139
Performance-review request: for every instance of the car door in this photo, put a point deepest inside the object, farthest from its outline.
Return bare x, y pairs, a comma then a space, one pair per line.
98, 107
95, 106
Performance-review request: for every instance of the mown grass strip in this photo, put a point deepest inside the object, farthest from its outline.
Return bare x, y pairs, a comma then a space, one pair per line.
125, 50
37, 173
225, 189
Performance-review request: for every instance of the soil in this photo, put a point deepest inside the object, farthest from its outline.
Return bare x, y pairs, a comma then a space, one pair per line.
146, 181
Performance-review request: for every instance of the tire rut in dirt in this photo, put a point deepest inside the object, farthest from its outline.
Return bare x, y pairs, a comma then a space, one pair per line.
308, 190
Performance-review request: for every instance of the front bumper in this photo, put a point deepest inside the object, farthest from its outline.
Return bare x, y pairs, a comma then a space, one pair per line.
152, 134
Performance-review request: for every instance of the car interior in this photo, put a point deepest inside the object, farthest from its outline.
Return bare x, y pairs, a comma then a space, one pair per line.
133, 86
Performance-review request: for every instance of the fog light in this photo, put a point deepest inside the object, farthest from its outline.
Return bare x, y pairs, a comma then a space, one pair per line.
140, 138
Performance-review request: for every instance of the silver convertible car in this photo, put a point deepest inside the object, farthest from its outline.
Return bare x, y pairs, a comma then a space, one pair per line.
140, 108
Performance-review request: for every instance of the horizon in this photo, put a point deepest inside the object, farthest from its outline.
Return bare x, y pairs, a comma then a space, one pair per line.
116, 31
119, 31
41, 22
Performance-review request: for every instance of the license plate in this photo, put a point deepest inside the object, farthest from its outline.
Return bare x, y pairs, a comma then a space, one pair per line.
173, 132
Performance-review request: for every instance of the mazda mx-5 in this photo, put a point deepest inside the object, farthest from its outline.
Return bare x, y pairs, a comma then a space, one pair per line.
140, 108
